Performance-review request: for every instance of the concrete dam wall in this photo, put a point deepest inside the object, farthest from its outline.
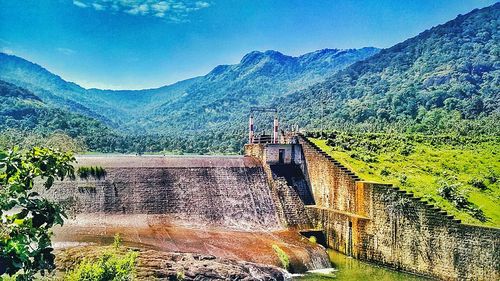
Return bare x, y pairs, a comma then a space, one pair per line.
229, 192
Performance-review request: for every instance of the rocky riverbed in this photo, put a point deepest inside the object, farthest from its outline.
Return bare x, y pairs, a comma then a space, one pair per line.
156, 233
157, 265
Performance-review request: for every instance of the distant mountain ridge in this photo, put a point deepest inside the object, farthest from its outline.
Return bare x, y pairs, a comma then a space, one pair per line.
26, 114
228, 91
131, 110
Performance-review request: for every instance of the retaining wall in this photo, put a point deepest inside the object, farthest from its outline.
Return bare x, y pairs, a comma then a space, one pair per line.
381, 224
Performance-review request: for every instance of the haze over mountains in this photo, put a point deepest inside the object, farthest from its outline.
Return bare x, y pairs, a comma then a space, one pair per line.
440, 80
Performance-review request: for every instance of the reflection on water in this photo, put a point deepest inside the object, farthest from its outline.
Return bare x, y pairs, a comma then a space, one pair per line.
350, 269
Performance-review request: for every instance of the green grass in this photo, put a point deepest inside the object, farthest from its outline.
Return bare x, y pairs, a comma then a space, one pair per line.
283, 257
423, 164
114, 263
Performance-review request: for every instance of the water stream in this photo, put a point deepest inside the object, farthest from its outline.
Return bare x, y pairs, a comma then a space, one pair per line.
349, 269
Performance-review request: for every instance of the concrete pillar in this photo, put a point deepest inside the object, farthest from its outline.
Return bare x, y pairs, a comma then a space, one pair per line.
275, 130
250, 130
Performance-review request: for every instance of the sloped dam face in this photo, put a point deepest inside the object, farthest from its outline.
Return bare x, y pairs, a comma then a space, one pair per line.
215, 205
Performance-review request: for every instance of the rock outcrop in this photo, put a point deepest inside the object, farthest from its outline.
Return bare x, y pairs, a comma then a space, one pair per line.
157, 265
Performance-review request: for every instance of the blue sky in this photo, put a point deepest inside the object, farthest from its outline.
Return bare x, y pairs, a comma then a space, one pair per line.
136, 44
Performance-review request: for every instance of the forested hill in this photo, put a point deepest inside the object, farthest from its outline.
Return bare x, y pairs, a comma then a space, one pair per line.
428, 83
257, 79
445, 79
221, 99
26, 120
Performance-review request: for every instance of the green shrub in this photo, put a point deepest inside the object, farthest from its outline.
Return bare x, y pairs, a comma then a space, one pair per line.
313, 239
403, 179
117, 241
453, 193
385, 172
492, 177
26, 219
283, 257
407, 150
96, 172
180, 275
110, 266
477, 183
457, 197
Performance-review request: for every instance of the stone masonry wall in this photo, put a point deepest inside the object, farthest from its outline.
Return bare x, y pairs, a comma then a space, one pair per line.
335, 191
381, 224
204, 192
289, 205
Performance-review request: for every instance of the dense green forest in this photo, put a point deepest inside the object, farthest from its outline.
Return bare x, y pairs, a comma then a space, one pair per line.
27, 121
450, 72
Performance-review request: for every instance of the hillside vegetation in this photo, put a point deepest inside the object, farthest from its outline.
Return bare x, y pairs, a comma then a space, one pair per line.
459, 174
258, 78
451, 71
220, 101
204, 114
27, 121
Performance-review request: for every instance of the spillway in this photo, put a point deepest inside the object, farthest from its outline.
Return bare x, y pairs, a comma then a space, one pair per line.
228, 192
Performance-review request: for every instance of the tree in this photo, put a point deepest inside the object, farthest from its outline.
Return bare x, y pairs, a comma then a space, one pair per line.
25, 217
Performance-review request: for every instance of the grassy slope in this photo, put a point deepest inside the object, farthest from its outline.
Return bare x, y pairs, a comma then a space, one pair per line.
427, 165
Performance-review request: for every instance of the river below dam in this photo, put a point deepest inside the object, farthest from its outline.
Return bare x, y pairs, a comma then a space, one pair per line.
348, 269
153, 232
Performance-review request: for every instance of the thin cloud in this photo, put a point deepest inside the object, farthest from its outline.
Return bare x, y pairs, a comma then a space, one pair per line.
172, 10
80, 4
66, 51
5, 42
7, 51
98, 7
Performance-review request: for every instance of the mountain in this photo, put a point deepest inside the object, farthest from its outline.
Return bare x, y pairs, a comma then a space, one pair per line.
24, 113
114, 108
49, 87
445, 79
431, 82
228, 91
260, 77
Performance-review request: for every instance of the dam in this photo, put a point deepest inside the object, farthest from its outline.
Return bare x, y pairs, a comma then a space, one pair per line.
217, 205
229, 192
240, 207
